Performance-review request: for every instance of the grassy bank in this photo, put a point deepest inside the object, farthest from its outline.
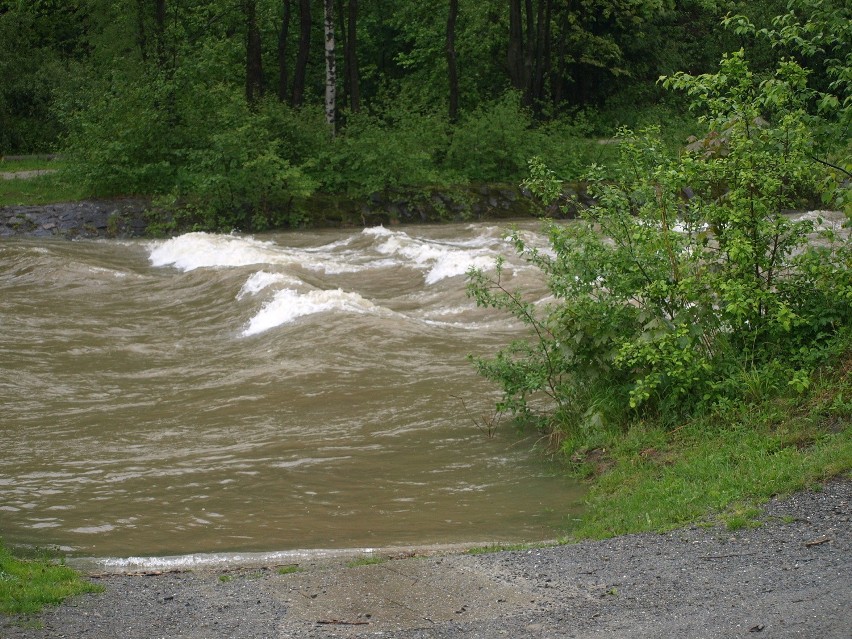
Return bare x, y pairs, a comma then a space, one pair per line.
721, 466
47, 188
28, 585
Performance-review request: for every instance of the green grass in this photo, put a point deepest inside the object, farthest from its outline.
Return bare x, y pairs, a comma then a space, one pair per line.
365, 561
720, 467
28, 585
42, 189
29, 163
289, 570
485, 550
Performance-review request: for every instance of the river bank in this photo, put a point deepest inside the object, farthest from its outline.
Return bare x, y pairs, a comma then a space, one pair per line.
789, 577
138, 217
71, 220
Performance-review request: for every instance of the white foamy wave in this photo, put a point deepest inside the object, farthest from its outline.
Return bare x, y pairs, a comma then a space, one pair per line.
823, 220
288, 305
440, 260
259, 281
452, 265
204, 250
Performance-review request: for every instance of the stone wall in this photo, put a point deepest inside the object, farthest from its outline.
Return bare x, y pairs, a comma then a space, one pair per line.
89, 219
131, 217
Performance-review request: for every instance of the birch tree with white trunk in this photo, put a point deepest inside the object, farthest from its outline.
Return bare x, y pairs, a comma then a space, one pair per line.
330, 66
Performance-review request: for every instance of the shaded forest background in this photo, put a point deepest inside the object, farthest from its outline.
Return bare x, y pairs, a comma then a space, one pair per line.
236, 107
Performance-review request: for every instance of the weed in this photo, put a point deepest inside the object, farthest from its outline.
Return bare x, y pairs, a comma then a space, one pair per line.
289, 570
706, 467
365, 561
41, 189
491, 548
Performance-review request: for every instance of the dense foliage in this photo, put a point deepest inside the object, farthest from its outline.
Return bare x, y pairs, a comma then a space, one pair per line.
220, 105
686, 286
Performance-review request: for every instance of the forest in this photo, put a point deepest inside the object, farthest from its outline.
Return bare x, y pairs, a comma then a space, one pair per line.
236, 109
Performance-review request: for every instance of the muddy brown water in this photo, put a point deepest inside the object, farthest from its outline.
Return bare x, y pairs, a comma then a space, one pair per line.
225, 393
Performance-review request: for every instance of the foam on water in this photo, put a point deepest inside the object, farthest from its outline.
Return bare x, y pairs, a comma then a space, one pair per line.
205, 250
259, 281
289, 296
288, 304
440, 260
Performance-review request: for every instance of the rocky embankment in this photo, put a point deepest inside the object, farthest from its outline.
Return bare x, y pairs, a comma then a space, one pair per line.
132, 217
86, 219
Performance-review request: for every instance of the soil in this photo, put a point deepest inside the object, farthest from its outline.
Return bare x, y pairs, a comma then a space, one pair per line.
789, 577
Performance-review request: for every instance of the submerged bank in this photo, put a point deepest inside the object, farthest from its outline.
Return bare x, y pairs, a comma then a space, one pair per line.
789, 577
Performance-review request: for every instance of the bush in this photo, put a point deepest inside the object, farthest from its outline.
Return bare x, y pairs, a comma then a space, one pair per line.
236, 172
122, 142
378, 153
684, 274
229, 166
493, 143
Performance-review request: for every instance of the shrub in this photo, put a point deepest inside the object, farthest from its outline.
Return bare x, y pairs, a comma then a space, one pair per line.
493, 143
378, 153
684, 273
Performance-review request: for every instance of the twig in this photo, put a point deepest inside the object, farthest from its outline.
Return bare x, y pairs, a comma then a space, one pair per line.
746, 554
817, 542
337, 622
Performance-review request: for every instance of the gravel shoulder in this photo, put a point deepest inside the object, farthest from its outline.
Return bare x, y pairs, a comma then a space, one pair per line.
790, 577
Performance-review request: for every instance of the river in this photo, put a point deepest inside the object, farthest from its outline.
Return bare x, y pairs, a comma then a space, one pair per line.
228, 393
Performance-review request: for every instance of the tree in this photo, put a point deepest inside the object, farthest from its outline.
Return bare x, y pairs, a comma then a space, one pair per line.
348, 19
254, 67
330, 66
818, 33
669, 303
300, 71
283, 57
452, 69
515, 53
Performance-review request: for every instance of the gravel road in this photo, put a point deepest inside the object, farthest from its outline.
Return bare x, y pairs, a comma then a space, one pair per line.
790, 577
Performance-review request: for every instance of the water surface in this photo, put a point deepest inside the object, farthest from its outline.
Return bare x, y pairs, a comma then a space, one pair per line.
218, 393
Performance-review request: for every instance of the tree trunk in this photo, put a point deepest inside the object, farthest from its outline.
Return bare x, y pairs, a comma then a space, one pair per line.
304, 50
141, 38
254, 68
283, 68
515, 57
343, 43
542, 60
330, 66
558, 75
352, 58
529, 51
452, 69
160, 32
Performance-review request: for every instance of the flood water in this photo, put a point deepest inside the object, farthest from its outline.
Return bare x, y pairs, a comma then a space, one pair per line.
224, 393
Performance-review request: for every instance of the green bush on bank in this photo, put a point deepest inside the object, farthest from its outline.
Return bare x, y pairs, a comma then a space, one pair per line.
719, 466
685, 287
202, 151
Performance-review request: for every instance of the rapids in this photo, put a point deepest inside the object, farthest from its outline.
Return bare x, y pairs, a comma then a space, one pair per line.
226, 393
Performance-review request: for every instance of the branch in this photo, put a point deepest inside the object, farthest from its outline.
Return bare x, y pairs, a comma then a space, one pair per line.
829, 164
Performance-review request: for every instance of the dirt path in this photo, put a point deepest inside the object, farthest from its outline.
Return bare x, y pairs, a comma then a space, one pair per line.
24, 175
790, 577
